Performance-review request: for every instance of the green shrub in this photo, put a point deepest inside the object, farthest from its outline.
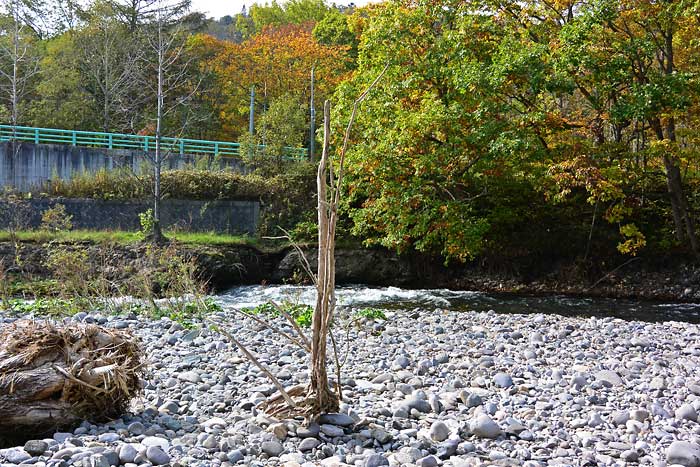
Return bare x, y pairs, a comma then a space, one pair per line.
70, 267
176, 184
146, 222
262, 309
287, 196
188, 313
56, 219
54, 307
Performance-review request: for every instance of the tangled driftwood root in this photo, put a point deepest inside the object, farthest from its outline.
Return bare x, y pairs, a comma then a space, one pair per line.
306, 404
53, 376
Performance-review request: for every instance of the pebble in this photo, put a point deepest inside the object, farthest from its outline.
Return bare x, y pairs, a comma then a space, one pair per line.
272, 448
428, 461
157, 456
683, 453
439, 431
686, 412
483, 426
503, 380
308, 444
332, 430
608, 377
309, 432
376, 460
336, 419
127, 453
36, 447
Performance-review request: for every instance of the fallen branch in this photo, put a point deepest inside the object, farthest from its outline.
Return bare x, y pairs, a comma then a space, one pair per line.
294, 324
301, 345
612, 272
251, 357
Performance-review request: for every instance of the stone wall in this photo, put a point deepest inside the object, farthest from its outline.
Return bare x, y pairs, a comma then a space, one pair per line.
231, 217
24, 166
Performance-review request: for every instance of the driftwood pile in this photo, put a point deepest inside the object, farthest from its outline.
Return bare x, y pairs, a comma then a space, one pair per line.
53, 376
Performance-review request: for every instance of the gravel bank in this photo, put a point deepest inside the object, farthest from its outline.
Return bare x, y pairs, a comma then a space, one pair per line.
425, 389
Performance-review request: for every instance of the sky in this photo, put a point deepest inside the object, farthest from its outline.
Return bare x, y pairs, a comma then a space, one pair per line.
219, 8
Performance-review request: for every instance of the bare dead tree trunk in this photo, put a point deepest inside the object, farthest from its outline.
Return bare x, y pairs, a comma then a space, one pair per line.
318, 397
321, 398
324, 400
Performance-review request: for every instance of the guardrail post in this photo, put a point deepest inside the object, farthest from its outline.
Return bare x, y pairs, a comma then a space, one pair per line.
36, 136
109, 141
216, 149
145, 143
74, 138
182, 147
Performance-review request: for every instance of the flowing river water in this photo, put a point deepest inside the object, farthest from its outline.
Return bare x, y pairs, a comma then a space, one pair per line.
427, 300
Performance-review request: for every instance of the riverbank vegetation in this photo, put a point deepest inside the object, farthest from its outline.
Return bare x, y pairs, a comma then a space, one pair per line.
70, 278
123, 237
516, 133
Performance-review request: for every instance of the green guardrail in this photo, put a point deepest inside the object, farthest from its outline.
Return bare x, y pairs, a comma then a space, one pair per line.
94, 139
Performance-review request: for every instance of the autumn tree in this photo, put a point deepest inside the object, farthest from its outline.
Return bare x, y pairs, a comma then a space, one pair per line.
436, 137
335, 29
650, 89
277, 62
616, 81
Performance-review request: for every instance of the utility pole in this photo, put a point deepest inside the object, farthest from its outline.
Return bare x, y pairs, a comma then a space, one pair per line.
312, 136
251, 123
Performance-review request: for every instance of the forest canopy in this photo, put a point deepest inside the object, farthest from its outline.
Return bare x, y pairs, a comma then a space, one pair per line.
520, 127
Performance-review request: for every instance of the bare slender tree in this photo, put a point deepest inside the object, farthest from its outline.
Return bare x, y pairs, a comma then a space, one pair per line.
107, 57
167, 74
19, 58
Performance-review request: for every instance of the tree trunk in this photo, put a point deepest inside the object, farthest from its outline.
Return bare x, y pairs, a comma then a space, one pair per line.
53, 377
685, 225
158, 237
324, 400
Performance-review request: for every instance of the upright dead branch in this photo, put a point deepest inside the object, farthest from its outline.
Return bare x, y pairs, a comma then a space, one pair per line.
318, 398
321, 399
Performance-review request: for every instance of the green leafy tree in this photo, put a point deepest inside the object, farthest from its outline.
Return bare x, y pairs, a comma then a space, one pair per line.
290, 12
434, 135
282, 125
62, 100
334, 29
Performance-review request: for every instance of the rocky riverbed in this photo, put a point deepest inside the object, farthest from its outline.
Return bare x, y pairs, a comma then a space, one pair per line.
421, 388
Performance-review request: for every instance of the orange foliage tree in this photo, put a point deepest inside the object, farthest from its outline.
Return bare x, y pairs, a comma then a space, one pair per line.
278, 63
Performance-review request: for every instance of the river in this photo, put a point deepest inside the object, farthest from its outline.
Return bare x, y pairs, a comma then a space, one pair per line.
393, 298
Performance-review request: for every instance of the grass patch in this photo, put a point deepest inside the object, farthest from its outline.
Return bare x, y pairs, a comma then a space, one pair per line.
370, 313
301, 313
123, 237
51, 307
188, 313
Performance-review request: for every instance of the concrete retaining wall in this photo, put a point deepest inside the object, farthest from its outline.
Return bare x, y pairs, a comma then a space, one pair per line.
231, 217
24, 166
